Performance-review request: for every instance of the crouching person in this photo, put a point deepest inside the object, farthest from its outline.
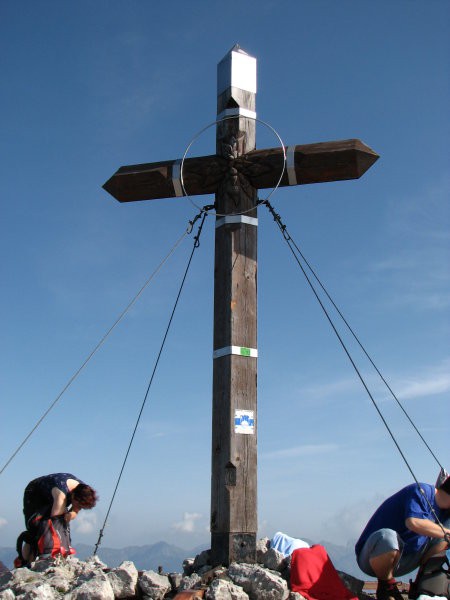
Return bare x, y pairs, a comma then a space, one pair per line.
50, 502
404, 532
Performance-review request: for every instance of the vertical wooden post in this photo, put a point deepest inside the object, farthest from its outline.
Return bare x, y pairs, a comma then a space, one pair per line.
234, 435
234, 518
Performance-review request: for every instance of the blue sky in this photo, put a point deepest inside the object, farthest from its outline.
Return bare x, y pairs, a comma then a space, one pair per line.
88, 87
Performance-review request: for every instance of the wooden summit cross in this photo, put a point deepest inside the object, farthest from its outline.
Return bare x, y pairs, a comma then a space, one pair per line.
234, 174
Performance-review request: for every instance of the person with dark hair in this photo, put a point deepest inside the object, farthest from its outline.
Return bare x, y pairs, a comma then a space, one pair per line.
404, 533
60, 495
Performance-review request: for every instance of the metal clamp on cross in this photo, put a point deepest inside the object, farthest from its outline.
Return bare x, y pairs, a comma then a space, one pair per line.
234, 174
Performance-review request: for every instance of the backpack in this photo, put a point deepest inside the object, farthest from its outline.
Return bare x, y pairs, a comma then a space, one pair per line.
433, 579
24, 538
46, 536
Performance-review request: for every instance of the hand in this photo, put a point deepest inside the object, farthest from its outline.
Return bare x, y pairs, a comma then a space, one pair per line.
70, 515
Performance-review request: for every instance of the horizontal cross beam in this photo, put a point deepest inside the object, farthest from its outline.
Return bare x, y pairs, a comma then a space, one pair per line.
306, 163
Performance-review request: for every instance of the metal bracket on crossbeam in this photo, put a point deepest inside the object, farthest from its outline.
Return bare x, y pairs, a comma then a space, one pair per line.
176, 178
290, 165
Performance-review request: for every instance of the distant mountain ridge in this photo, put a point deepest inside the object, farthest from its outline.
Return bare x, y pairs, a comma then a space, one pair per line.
171, 557
168, 556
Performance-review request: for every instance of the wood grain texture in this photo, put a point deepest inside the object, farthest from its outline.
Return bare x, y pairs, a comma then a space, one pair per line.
234, 520
314, 163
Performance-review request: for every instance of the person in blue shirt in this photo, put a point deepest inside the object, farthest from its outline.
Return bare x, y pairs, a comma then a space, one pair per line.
403, 533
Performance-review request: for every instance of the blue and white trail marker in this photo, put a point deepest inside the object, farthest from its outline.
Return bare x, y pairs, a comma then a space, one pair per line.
244, 421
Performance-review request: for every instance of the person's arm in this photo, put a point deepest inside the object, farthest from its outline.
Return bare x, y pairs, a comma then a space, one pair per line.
71, 514
59, 502
426, 527
60, 505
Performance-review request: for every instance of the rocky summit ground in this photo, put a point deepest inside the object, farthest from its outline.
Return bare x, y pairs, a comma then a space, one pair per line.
74, 579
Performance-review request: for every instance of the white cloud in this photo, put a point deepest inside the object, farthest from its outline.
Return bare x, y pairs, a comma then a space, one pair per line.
3, 522
435, 381
306, 450
345, 526
86, 522
430, 387
187, 525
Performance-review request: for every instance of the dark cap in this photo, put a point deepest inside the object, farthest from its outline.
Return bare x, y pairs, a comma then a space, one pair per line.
443, 481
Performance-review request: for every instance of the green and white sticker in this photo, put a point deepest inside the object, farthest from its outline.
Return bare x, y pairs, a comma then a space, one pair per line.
237, 350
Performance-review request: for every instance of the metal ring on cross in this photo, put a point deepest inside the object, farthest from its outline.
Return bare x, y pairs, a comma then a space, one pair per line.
195, 138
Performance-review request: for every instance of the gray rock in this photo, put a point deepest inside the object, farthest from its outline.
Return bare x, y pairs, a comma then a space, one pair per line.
352, 583
41, 591
274, 560
43, 564
59, 576
5, 578
202, 559
23, 581
297, 596
96, 588
153, 585
190, 582
94, 562
123, 580
225, 590
262, 546
188, 566
220, 572
22, 576
62, 585
259, 583
175, 580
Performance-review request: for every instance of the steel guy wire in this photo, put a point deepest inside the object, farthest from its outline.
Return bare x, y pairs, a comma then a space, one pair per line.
195, 246
291, 246
100, 343
351, 330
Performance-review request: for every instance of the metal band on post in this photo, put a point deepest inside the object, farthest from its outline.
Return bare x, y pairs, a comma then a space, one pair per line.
236, 112
233, 219
176, 178
290, 165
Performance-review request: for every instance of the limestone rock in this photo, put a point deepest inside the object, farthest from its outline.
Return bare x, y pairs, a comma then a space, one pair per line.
201, 560
23, 580
123, 580
262, 546
41, 591
189, 583
175, 580
259, 582
188, 566
74, 579
274, 560
225, 590
5, 578
60, 584
153, 585
97, 587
